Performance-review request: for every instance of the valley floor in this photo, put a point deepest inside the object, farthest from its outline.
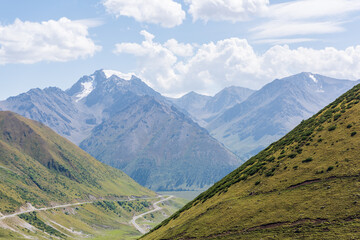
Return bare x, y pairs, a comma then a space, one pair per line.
98, 219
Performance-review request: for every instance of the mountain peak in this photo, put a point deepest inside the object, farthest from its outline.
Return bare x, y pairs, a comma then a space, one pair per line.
125, 76
193, 94
107, 82
306, 76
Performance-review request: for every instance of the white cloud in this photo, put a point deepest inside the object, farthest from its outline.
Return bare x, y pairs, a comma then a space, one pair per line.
305, 9
277, 41
167, 13
179, 49
155, 61
280, 61
31, 42
287, 28
233, 61
306, 17
217, 65
226, 10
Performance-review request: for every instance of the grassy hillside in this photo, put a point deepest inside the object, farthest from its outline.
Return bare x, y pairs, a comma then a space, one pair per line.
42, 168
304, 186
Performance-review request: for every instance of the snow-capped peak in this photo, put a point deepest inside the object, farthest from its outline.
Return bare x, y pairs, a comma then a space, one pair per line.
313, 78
125, 76
87, 88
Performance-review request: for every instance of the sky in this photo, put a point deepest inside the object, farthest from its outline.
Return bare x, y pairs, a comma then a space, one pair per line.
176, 46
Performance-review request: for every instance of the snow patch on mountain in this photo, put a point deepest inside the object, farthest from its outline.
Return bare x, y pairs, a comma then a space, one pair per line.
313, 78
320, 89
125, 76
88, 87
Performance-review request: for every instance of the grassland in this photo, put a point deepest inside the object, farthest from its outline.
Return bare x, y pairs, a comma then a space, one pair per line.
304, 186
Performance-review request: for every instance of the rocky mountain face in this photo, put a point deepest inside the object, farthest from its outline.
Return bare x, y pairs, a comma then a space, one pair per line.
159, 146
55, 108
159, 140
304, 186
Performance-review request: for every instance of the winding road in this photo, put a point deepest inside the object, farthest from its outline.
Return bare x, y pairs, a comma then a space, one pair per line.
33, 209
41, 209
133, 221
156, 208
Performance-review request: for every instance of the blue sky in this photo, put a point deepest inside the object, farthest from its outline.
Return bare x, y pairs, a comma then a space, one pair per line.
176, 46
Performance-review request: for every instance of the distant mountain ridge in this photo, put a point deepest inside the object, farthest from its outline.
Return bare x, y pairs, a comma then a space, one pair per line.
205, 108
101, 104
274, 110
248, 120
243, 120
74, 112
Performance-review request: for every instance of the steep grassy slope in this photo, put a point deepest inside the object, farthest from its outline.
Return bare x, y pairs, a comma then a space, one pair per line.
38, 166
304, 186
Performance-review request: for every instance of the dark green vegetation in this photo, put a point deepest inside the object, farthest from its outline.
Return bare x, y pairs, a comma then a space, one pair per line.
39, 224
304, 186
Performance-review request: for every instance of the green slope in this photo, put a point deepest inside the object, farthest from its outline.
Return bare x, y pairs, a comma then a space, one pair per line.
304, 186
38, 166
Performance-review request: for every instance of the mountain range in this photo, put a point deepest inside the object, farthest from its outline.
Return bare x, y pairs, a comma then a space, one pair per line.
128, 125
160, 142
257, 118
304, 186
